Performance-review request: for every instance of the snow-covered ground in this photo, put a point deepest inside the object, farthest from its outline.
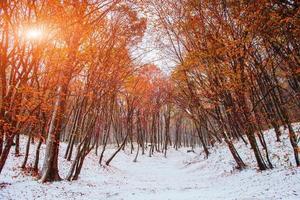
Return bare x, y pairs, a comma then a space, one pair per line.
180, 176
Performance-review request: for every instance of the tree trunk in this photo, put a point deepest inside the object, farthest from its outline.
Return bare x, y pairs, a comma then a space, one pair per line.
17, 146
9, 141
37, 155
293, 140
106, 136
50, 165
198, 128
137, 153
167, 131
1, 141
26, 153
118, 150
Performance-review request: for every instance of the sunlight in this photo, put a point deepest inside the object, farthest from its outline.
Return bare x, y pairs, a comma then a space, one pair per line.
34, 33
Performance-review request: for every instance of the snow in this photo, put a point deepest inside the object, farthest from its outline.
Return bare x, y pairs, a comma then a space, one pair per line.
182, 175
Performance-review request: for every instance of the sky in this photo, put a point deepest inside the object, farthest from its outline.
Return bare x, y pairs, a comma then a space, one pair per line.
151, 50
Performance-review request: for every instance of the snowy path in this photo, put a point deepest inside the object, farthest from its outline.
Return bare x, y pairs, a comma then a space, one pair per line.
182, 176
161, 178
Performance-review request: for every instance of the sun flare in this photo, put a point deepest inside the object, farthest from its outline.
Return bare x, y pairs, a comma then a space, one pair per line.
34, 33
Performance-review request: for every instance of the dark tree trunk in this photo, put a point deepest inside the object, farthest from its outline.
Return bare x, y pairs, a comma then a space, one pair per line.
263, 143
137, 153
8, 143
37, 155
167, 129
293, 140
17, 145
69, 153
117, 151
198, 128
106, 136
26, 153
1, 141
240, 163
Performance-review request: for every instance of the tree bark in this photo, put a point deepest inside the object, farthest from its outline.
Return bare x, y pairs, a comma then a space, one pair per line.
50, 165
26, 152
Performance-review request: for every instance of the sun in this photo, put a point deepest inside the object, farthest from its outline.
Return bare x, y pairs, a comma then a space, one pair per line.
34, 33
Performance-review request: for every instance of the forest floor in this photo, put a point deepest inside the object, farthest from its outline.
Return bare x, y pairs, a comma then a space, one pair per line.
181, 176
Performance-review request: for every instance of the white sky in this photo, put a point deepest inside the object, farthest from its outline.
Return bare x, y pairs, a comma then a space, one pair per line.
150, 50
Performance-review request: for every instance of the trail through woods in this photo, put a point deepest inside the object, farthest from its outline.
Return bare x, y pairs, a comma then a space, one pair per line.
181, 175
91, 77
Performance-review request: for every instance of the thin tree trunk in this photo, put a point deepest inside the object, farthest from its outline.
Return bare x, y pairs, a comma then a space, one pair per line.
202, 140
137, 153
118, 150
9, 141
37, 155
26, 153
17, 145
1, 141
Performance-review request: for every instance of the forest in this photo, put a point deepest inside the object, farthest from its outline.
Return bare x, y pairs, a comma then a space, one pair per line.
79, 94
